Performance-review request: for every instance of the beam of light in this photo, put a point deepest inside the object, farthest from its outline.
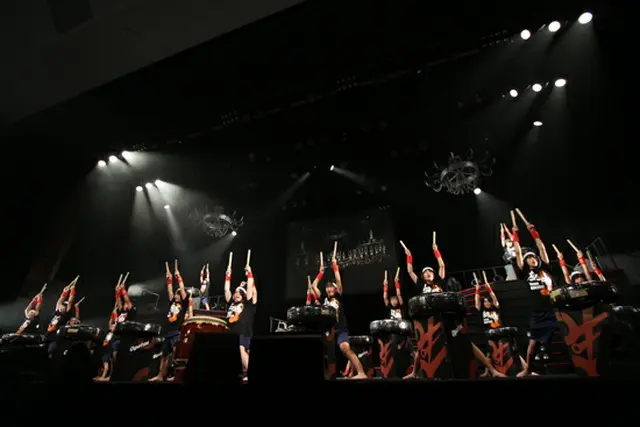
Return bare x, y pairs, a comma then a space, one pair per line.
142, 218
139, 188
102, 164
149, 185
359, 179
112, 158
159, 201
332, 167
585, 18
491, 212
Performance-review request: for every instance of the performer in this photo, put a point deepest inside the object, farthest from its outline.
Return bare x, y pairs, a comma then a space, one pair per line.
579, 274
489, 308
334, 299
75, 320
509, 255
595, 268
31, 323
62, 313
312, 298
241, 311
429, 281
177, 313
205, 281
395, 303
534, 270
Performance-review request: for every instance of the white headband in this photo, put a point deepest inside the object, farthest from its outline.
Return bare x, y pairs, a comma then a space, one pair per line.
428, 268
241, 289
528, 254
576, 273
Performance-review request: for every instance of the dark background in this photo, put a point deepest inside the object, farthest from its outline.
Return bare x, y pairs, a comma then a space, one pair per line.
382, 92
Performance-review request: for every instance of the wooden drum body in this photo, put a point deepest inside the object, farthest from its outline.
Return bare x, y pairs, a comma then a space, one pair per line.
201, 324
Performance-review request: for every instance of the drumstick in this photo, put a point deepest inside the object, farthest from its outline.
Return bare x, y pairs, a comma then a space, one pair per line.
556, 249
335, 249
513, 219
403, 245
230, 260
74, 281
590, 257
385, 275
434, 237
484, 275
321, 259
572, 245
397, 274
82, 299
175, 265
125, 278
309, 281
248, 257
522, 216
119, 280
476, 278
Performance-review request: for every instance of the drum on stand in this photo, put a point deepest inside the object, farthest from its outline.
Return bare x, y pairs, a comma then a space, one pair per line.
201, 324
75, 355
23, 358
139, 352
393, 345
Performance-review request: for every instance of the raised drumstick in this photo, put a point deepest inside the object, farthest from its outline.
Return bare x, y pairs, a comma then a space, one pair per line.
434, 237
321, 259
248, 257
476, 278
74, 281
513, 219
403, 245
309, 281
397, 274
230, 261
385, 275
119, 280
126, 276
573, 246
522, 216
335, 249
78, 303
556, 249
484, 275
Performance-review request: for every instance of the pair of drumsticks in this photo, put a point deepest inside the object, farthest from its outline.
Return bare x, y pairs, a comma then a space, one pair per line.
231, 260
395, 279
335, 252
407, 249
484, 275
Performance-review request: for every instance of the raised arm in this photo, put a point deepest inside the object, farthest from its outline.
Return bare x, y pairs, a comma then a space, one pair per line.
583, 265
503, 241
385, 290
442, 271
227, 285
477, 296
183, 292
542, 250
251, 286
169, 278
189, 312
396, 282
336, 273
563, 266
72, 295
516, 245
316, 282
487, 285
77, 309
413, 275
595, 268
309, 292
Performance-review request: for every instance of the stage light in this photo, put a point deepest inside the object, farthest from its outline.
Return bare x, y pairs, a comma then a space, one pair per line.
537, 87
560, 82
513, 93
537, 123
125, 153
112, 158
477, 191
585, 18
554, 26
157, 181
166, 206
331, 168
139, 188
525, 34
234, 233
148, 185
102, 164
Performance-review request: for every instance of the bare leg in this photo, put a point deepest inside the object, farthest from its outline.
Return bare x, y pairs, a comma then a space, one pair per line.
355, 362
530, 349
483, 359
164, 366
244, 358
206, 306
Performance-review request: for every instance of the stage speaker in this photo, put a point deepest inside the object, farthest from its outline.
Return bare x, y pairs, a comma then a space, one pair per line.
286, 358
214, 359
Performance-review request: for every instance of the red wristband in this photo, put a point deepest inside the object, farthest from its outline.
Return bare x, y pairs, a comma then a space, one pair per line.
249, 275
65, 294
39, 299
409, 259
190, 303
515, 238
562, 262
319, 276
118, 294
169, 281
437, 253
72, 293
597, 271
534, 233
308, 298
397, 285
124, 292
334, 267
582, 261
386, 289
227, 278
179, 277
77, 309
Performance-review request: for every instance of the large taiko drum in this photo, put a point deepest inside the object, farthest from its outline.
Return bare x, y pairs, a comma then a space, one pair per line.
200, 324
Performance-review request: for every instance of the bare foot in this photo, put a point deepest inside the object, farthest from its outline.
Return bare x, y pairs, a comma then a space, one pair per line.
496, 373
361, 376
409, 377
523, 373
156, 379
101, 379
485, 374
533, 374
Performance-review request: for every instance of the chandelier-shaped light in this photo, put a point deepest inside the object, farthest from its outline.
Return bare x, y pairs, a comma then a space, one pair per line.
460, 176
215, 223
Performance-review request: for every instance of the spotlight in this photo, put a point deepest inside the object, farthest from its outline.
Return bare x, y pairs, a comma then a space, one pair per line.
139, 188
560, 83
102, 164
148, 185
112, 158
332, 167
537, 87
234, 233
477, 191
537, 123
585, 18
157, 181
525, 34
513, 93
166, 206
554, 26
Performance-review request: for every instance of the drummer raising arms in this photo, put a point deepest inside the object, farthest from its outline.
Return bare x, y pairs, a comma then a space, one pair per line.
31, 323
334, 299
205, 281
63, 307
177, 313
241, 310
534, 270
580, 273
395, 303
429, 281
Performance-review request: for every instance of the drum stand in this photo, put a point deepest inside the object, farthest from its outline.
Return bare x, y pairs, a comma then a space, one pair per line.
395, 355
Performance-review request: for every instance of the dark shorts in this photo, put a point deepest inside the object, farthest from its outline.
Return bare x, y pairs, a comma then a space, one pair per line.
342, 335
203, 302
170, 341
113, 346
245, 341
542, 325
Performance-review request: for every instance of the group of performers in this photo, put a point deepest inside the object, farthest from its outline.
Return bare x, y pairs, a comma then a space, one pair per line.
530, 266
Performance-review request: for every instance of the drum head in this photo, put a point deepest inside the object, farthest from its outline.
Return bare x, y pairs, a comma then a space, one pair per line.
390, 326
439, 302
21, 339
314, 317
361, 341
209, 320
141, 330
499, 333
